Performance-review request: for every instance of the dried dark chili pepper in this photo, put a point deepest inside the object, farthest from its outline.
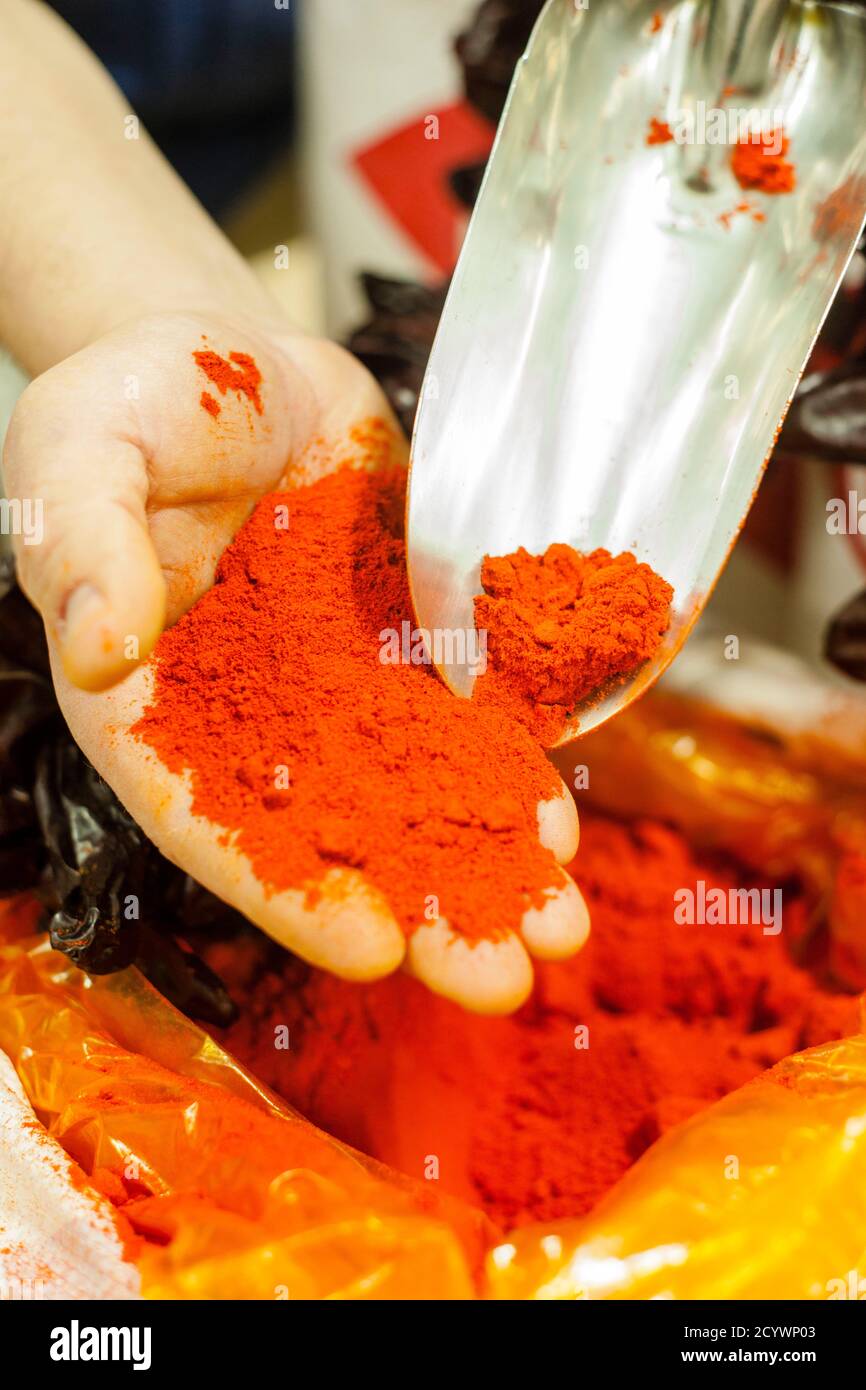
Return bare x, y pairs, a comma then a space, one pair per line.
27, 708
489, 48
827, 423
395, 343
22, 636
97, 857
183, 978
28, 712
827, 419
465, 182
109, 891
110, 898
845, 642
27, 704
22, 851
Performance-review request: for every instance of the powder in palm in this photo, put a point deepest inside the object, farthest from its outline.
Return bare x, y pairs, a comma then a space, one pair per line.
313, 753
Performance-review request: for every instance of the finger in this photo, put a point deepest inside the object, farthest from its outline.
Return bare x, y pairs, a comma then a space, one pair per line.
90, 569
558, 826
102, 591
346, 926
560, 927
486, 977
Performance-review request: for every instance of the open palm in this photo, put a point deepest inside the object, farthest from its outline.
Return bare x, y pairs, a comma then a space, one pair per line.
142, 489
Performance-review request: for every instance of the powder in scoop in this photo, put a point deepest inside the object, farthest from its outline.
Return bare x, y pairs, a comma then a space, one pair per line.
762, 165
562, 626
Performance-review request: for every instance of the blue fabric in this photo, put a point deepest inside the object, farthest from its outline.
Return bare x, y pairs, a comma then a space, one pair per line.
213, 80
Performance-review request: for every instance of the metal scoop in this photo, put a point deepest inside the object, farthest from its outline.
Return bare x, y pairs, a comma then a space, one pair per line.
626, 326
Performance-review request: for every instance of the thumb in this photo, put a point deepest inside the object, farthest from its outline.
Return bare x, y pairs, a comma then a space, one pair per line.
82, 545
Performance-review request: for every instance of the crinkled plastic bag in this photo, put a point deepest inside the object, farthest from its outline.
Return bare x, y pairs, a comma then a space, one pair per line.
785, 805
760, 1196
229, 1193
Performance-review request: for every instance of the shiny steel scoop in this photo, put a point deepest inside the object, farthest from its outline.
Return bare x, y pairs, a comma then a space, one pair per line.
620, 343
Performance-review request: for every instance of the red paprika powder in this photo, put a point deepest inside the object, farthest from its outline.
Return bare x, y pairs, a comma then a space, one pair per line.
313, 749
278, 668
537, 1115
237, 373
763, 166
562, 626
658, 132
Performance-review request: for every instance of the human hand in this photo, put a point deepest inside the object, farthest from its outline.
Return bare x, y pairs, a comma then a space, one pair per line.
142, 491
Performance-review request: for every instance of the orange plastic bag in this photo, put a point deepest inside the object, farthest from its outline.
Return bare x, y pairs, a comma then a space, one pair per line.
229, 1194
762, 1196
784, 805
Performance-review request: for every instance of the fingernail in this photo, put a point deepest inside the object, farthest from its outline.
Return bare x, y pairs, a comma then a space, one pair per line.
91, 648
85, 606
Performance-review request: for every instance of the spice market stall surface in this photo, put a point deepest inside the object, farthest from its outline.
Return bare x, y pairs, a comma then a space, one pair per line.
619, 1137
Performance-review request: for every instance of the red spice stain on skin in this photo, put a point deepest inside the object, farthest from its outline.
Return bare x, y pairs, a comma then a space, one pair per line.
208, 403
659, 132
763, 165
375, 444
237, 373
372, 443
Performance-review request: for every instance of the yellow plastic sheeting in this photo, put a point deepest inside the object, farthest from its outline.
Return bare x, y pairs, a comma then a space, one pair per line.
230, 1194
784, 805
227, 1198
135, 1014
762, 1196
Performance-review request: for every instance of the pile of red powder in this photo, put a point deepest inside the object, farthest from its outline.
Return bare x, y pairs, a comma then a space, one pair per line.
658, 132
314, 750
762, 165
562, 626
509, 1113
